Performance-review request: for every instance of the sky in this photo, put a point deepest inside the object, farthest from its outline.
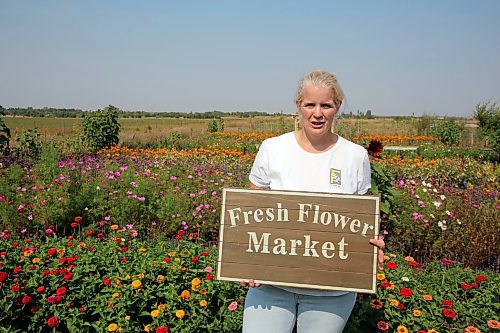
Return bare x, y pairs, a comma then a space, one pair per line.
393, 57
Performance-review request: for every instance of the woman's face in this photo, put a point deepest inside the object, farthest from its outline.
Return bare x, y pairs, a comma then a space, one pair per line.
317, 109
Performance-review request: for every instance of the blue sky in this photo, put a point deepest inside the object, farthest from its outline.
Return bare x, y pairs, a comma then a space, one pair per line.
397, 57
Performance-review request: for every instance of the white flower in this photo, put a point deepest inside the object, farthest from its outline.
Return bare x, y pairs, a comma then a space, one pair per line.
442, 225
437, 203
458, 221
405, 279
448, 213
97, 188
424, 190
424, 183
442, 197
432, 215
435, 191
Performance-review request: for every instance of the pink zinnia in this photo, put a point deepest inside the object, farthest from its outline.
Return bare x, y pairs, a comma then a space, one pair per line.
233, 306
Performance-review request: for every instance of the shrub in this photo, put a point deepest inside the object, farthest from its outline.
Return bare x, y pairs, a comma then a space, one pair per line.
29, 144
101, 128
4, 137
489, 123
448, 132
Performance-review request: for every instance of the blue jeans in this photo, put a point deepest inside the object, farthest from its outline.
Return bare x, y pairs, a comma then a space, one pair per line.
274, 310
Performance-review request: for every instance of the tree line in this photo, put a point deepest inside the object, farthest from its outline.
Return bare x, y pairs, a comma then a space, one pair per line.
78, 113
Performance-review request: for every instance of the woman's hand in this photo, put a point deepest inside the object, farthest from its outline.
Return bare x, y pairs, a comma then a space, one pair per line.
381, 245
251, 283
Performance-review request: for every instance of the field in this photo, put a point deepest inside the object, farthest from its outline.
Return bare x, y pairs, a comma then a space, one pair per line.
153, 130
124, 239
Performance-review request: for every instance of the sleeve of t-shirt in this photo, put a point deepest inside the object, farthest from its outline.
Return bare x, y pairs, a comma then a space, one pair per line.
364, 175
259, 175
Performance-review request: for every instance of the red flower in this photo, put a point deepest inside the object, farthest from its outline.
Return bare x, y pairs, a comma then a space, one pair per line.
78, 218
406, 292
34, 309
52, 321
413, 263
31, 267
17, 269
480, 278
204, 253
446, 262
474, 285
180, 232
61, 291
45, 272
447, 303
383, 325
124, 259
422, 331
26, 299
123, 248
194, 259
3, 276
90, 232
391, 264
40, 289
81, 309
74, 225
51, 251
209, 277
106, 281
385, 284
162, 329
15, 288
167, 260
465, 286
449, 313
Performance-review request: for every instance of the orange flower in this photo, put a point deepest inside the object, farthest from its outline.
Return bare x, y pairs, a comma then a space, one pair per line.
376, 304
136, 284
417, 313
427, 297
472, 329
380, 276
195, 283
203, 303
493, 323
162, 307
185, 294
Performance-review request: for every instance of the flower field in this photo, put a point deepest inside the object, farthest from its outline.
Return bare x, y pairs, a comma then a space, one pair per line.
125, 240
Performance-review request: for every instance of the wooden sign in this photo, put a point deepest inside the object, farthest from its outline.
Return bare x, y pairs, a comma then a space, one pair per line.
299, 239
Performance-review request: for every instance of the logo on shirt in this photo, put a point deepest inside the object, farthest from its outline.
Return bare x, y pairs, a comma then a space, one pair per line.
335, 178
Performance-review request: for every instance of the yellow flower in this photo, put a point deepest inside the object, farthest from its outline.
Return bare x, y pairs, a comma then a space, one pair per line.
203, 303
393, 302
127, 318
386, 258
117, 281
432, 331
61, 251
27, 253
195, 283
140, 276
417, 313
136, 284
203, 292
120, 329
147, 328
81, 245
160, 278
114, 227
380, 276
408, 258
36, 260
171, 254
185, 294
177, 259
155, 313
142, 249
127, 277
182, 268
402, 329
162, 307
116, 295
180, 314
112, 327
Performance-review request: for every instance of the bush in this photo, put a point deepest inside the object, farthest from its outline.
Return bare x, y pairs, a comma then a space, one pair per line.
448, 132
489, 123
101, 128
4, 137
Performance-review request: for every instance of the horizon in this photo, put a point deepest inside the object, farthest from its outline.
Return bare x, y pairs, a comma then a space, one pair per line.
393, 58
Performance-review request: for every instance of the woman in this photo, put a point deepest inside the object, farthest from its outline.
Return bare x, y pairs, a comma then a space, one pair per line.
311, 159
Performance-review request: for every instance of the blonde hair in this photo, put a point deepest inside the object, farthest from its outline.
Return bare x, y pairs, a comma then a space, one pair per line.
320, 78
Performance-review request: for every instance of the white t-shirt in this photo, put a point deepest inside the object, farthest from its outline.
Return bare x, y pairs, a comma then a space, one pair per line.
282, 164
